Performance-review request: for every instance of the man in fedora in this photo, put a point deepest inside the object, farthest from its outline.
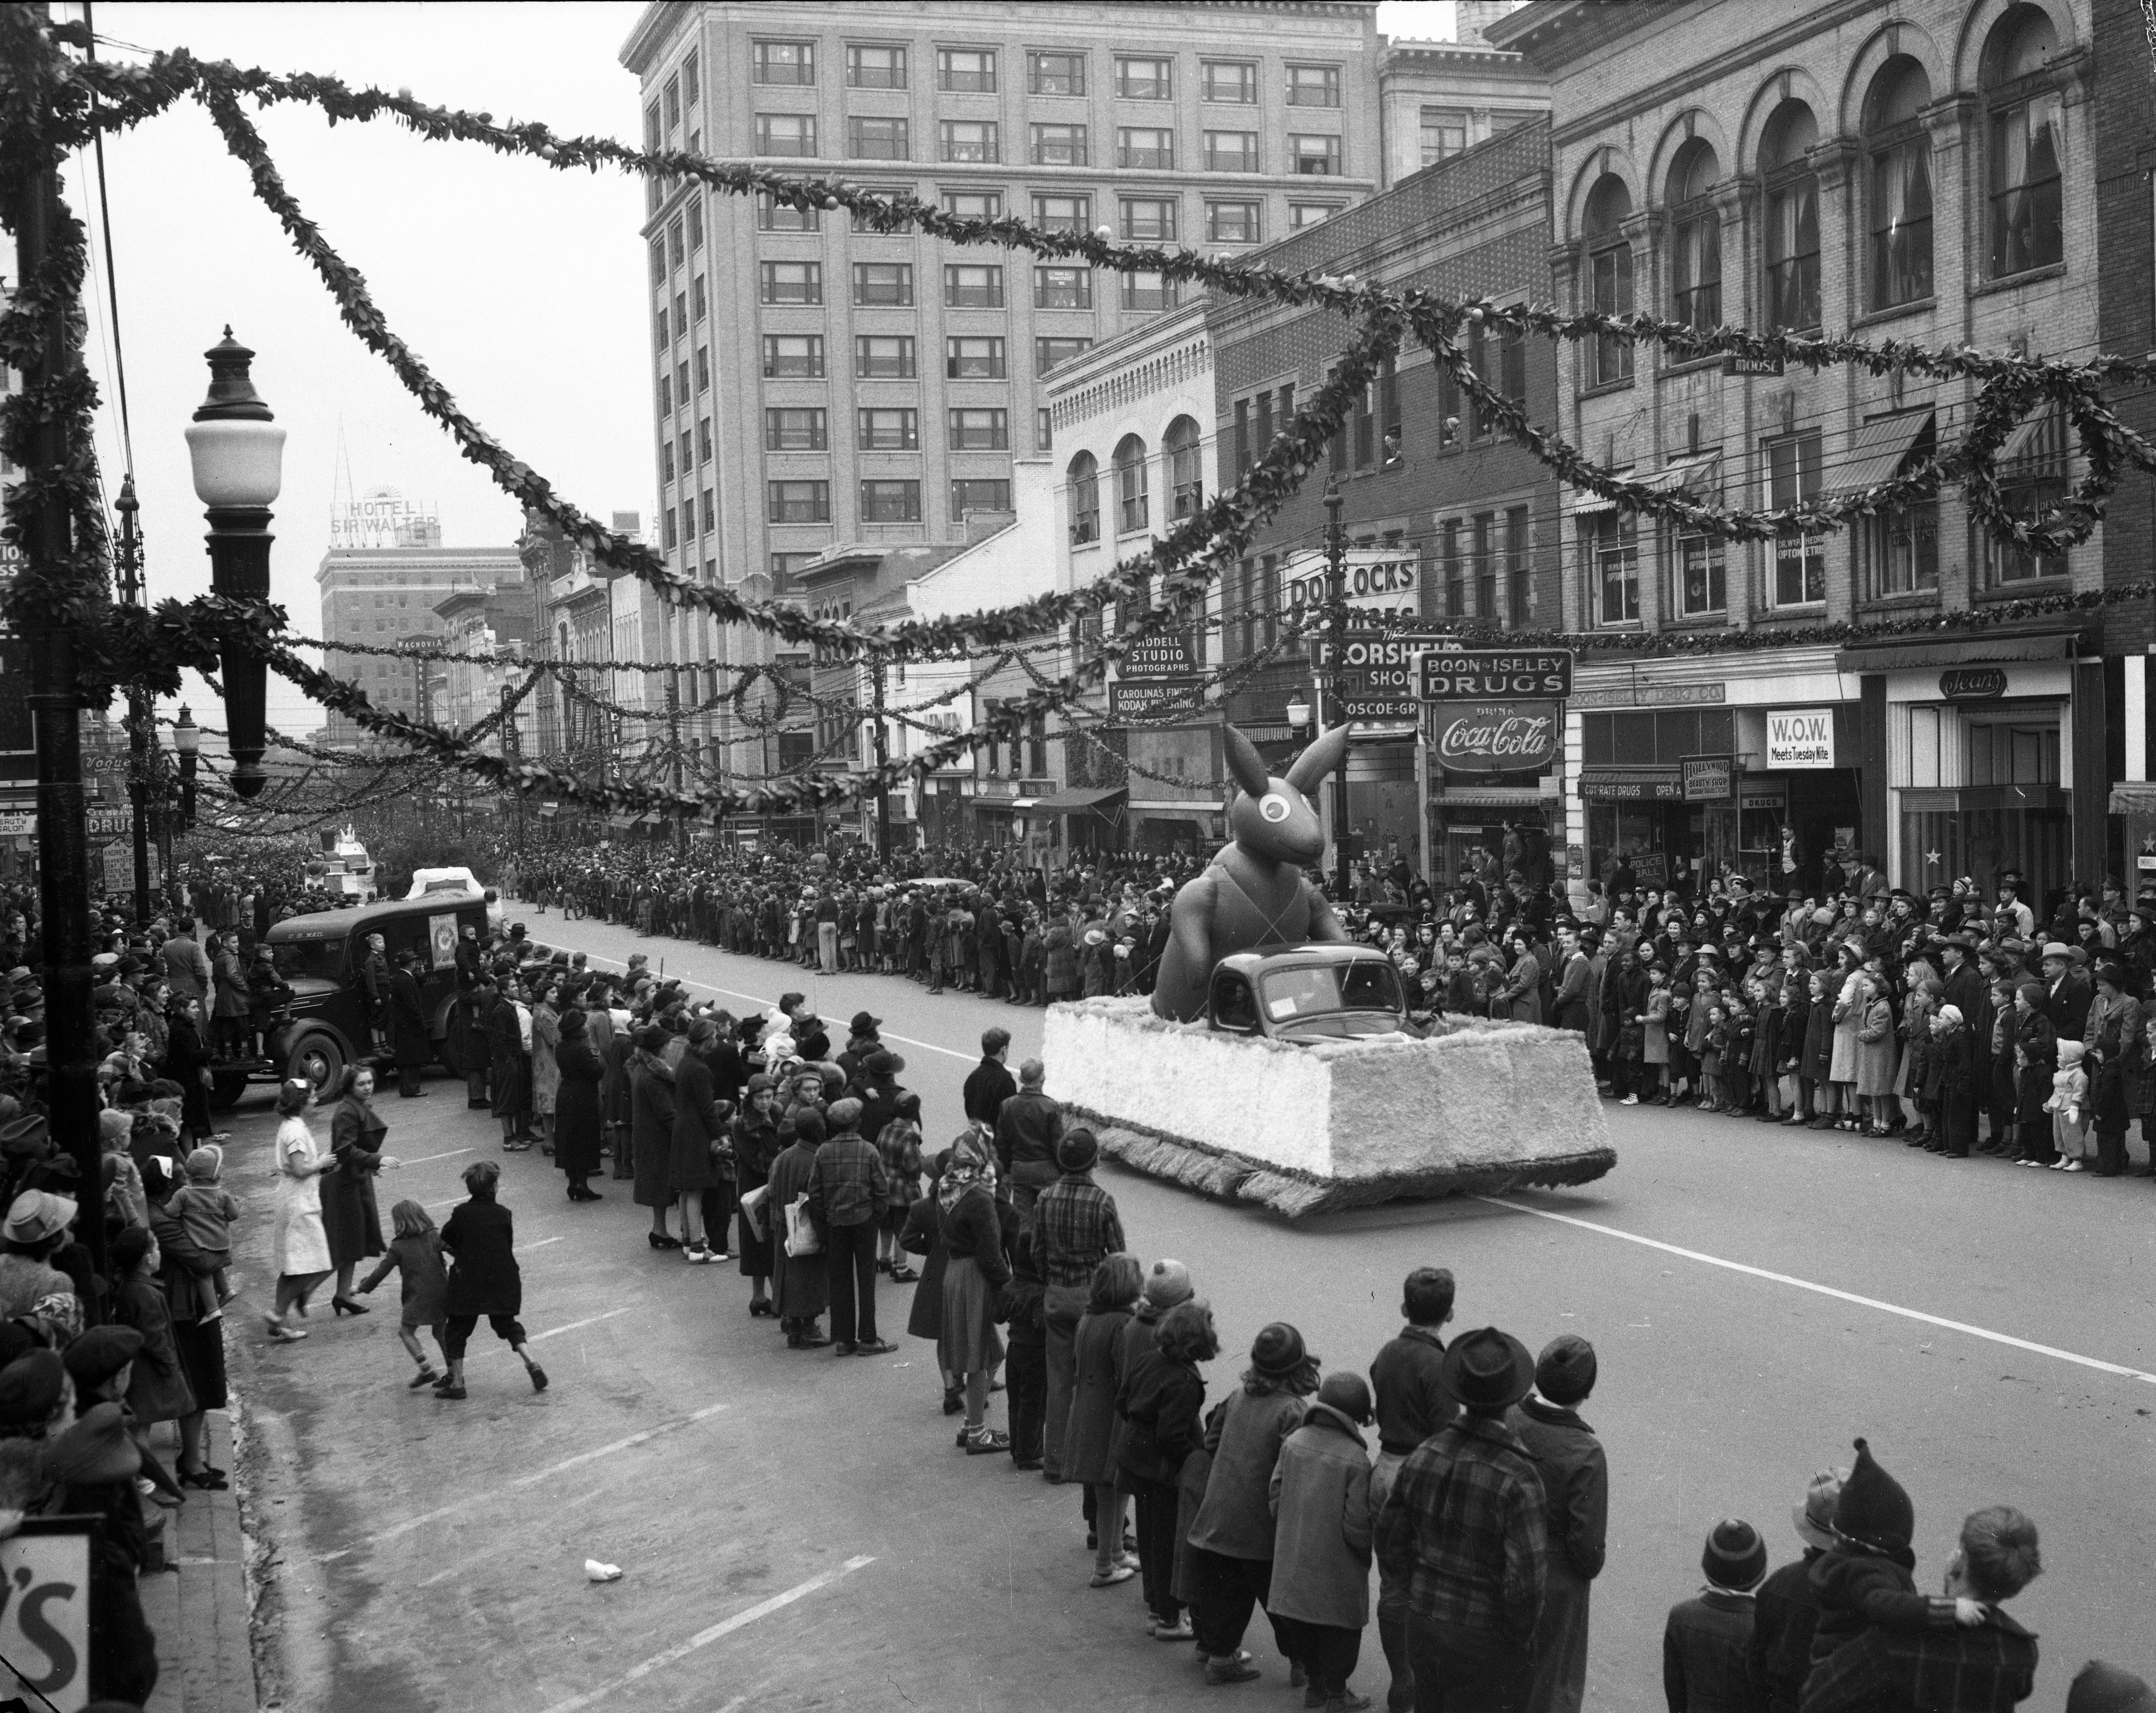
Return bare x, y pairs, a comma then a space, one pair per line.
1464, 1523
2067, 991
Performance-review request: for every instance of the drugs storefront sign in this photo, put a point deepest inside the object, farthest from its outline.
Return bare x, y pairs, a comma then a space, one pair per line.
1491, 674
1799, 738
1495, 738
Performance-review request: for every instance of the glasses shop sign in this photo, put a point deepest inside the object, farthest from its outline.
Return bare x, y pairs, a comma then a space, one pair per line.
1495, 736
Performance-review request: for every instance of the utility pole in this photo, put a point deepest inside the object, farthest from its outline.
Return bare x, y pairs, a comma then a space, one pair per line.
510, 755
138, 703
673, 756
882, 756
63, 833
1336, 646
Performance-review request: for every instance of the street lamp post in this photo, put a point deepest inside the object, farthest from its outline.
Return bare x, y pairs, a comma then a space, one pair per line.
238, 454
138, 702
1335, 646
187, 738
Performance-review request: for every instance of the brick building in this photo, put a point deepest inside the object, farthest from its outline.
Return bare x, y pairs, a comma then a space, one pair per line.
1922, 170
1444, 519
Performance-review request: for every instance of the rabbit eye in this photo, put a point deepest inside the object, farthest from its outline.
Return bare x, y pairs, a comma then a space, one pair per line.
1273, 806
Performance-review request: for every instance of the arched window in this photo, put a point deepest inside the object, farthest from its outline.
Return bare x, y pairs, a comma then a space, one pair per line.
1186, 486
2023, 130
1131, 485
1085, 499
1695, 235
564, 652
1900, 184
1609, 274
1793, 227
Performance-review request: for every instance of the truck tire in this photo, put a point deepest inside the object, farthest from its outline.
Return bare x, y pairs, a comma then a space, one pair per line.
228, 1083
316, 1058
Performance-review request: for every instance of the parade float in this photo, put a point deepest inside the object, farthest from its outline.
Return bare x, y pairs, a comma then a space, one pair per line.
1276, 1063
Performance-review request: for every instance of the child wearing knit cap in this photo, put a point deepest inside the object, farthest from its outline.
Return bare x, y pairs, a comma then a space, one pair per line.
2068, 1106
206, 1212
1706, 1639
1867, 1578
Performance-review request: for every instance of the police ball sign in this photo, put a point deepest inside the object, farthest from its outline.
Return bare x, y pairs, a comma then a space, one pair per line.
1799, 738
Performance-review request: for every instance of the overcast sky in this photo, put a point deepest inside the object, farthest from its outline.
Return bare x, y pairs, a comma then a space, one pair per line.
520, 287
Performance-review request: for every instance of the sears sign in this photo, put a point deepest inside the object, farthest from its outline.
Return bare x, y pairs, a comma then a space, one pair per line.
1496, 738
1492, 674
1799, 738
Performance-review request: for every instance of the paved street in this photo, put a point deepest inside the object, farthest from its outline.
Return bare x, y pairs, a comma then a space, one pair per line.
797, 1531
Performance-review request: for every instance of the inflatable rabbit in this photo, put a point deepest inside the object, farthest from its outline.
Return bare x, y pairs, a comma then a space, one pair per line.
1254, 893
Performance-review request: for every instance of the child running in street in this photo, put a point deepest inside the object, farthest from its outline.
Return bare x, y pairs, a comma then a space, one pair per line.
415, 1252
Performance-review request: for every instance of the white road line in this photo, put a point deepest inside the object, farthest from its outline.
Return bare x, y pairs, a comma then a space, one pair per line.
556, 1331
704, 1638
450, 1153
406, 1527
1805, 1285
540, 1244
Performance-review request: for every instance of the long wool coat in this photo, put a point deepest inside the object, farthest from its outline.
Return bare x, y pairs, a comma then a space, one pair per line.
1576, 1492
650, 1128
481, 1238
349, 1216
545, 1069
577, 1072
1088, 1433
1320, 1495
698, 1120
800, 1287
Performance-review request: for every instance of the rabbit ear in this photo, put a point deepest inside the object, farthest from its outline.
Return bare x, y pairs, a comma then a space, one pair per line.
1243, 765
1322, 756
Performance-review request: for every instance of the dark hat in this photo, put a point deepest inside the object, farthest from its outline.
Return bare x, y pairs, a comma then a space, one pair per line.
1961, 940
1735, 1557
1874, 1508
100, 1353
881, 1064
23, 1135
1488, 1369
30, 1389
2115, 973
2101, 1687
864, 1021
1278, 1351
1564, 1372
1077, 1151
1346, 1391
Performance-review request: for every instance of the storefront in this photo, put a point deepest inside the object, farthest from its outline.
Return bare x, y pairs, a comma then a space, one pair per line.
1490, 768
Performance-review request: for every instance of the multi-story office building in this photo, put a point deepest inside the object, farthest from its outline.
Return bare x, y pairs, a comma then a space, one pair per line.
386, 596
815, 383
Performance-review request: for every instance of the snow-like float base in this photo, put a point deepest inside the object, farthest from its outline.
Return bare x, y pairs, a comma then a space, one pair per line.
1483, 1106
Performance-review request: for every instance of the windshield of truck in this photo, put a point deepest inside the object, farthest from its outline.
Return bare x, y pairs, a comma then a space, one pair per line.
321, 957
1309, 990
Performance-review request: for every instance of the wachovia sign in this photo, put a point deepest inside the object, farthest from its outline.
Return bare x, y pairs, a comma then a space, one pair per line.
1496, 738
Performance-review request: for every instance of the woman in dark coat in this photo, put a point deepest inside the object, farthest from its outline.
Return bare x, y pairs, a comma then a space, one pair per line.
700, 1118
2036, 1058
801, 1288
756, 1146
414, 1042
1089, 1430
975, 1272
186, 1063
577, 1106
651, 1130
504, 1046
200, 1342
350, 1218
481, 1240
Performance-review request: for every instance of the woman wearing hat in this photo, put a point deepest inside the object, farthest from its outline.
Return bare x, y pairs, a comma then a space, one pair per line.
756, 1146
300, 1247
578, 1072
801, 1287
350, 1217
2117, 1058
32, 1289
651, 1129
975, 1270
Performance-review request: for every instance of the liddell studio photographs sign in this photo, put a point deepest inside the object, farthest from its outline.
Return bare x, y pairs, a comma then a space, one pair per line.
1799, 738
1495, 738
1168, 655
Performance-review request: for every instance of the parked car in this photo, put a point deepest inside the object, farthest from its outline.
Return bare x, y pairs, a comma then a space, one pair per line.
1323, 990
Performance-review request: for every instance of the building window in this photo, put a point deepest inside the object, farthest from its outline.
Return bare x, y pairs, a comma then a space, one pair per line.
1900, 152
1062, 288
792, 357
688, 469
703, 369
888, 430
883, 356
658, 261
666, 461
793, 429
696, 291
1234, 223
2032, 479
1049, 352
975, 493
673, 536
1609, 276
1484, 538
783, 62
703, 439
1231, 152
1084, 477
658, 327
792, 282
786, 133
696, 226
890, 500
1315, 156
1798, 577
1148, 292
1700, 572
785, 565
973, 359
1444, 134
1149, 219
1452, 569
970, 140
674, 252
1792, 210
2024, 134
1131, 486
1613, 588
1043, 430
966, 69
1518, 599
872, 220
973, 204
883, 285
1145, 80
1313, 85
665, 394
775, 216
870, 68
1063, 214
973, 286
979, 430
1186, 483
869, 139
1059, 145
797, 502
1695, 236
1902, 550
1302, 214
1230, 82
1144, 146
710, 511
681, 383
1056, 74
1503, 371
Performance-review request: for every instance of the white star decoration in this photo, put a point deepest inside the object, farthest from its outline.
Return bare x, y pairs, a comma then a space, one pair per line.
1932, 858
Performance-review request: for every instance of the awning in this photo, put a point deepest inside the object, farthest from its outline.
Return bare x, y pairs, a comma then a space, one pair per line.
2133, 797
1693, 475
621, 823
654, 818
1632, 784
1958, 651
1072, 801
1488, 797
1004, 805
1880, 450
548, 812
2029, 434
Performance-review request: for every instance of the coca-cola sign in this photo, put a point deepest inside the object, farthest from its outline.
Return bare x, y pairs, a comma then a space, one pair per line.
1495, 737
